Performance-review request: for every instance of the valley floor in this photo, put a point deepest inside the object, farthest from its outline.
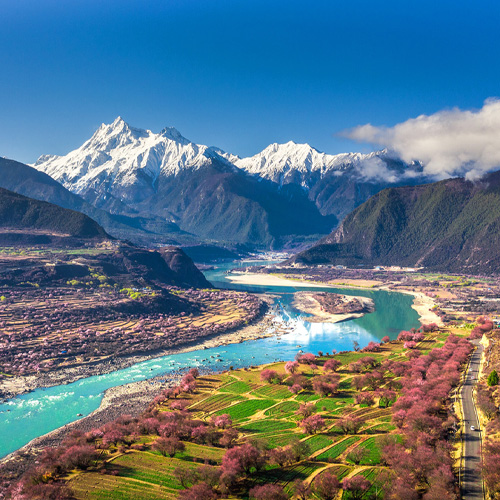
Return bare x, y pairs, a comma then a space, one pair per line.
423, 304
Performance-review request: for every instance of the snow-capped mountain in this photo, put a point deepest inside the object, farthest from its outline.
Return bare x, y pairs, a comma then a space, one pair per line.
118, 157
164, 179
337, 184
283, 163
138, 173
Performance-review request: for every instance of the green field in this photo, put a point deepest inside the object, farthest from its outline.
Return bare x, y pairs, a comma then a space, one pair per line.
246, 408
264, 415
338, 448
282, 410
236, 388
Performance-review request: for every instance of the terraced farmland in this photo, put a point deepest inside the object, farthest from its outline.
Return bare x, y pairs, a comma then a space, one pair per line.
238, 409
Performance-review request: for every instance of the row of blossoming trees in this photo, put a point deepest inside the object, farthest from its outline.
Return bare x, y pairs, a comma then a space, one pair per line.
488, 400
40, 329
420, 463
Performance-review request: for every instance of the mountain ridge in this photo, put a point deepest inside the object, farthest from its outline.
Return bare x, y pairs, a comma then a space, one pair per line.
28, 181
19, 213
450, 225
137, 173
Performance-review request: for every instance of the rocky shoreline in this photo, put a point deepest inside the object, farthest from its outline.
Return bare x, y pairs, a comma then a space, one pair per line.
131, 399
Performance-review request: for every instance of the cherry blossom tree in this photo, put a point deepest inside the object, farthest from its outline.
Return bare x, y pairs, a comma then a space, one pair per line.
168, 446
268, 492
199, 491
291, 366
312, 424
301, 489
326, 486
357, 486
332, 365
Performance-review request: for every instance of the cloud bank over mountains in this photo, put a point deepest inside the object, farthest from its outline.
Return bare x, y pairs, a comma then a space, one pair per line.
448, 143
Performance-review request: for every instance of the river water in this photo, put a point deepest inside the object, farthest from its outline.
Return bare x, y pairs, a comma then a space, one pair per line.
43, 410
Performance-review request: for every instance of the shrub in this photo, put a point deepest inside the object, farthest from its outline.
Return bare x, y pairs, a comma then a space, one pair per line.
493, 378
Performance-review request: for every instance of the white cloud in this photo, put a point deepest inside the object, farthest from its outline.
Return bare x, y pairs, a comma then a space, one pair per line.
448, 143
374, 169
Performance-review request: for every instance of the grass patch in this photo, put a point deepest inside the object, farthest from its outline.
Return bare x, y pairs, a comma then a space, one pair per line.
307, 396
199, 452
338, 448
272, 391
216, 402
318, 442
246, 408
282, 410
236, 388
332, 404
267, 426
281, 439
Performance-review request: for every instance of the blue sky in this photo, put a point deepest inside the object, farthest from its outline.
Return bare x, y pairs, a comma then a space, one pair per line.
237, 74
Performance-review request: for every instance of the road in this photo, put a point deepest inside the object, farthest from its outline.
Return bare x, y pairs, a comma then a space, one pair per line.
472, 487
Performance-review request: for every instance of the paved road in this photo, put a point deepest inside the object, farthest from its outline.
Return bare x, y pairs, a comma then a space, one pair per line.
472, 488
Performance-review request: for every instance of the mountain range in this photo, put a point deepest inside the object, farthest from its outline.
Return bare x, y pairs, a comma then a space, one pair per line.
162, 188
25, 221
451, 225
28, 181
336, 184
287, 194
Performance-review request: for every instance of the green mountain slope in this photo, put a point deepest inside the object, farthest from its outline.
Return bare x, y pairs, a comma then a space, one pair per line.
19, 213
449, 225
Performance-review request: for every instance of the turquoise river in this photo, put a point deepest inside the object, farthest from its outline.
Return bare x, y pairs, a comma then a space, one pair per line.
31, 415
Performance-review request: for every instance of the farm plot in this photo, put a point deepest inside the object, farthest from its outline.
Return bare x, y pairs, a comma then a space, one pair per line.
237, 387
246, 408
267, 426
338, 448
282, 410
214, 403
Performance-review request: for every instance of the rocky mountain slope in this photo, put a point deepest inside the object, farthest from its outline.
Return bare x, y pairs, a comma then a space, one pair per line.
451, 225
337, 184
30, 182
26, 221
138, 173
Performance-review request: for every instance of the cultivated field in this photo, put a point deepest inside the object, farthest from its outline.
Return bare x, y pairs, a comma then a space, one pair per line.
262, 410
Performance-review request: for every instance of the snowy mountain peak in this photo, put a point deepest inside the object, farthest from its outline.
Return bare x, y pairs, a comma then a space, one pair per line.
118, 155
173, 134
119, 121
282, 162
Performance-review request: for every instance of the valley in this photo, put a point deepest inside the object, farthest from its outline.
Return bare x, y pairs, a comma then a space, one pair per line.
249, 250
140, 333
94, 328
